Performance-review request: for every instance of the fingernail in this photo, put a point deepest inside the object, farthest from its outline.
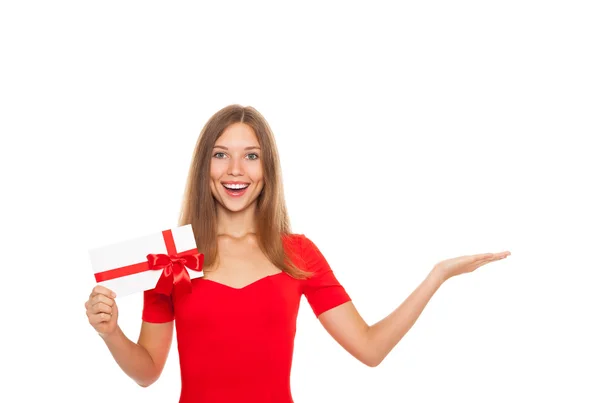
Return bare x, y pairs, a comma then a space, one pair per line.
113, 295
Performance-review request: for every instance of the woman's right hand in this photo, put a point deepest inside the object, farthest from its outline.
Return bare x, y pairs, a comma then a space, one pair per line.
102, 311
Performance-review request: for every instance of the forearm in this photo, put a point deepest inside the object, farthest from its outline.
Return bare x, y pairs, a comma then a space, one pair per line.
383, 336
133, 358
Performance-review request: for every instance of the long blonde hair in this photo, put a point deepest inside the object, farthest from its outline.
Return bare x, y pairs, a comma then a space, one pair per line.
199, 208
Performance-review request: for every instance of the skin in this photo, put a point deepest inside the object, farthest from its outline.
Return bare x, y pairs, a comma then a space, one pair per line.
236, 157
371, 344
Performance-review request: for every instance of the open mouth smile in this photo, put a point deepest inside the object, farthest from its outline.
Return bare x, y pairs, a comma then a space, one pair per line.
235, 189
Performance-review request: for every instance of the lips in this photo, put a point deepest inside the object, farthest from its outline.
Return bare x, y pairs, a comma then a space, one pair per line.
235, 189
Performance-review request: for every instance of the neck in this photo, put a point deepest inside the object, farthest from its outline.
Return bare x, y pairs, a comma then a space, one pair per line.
236, 224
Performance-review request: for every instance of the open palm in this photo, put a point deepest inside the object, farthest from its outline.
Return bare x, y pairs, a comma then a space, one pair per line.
466, 264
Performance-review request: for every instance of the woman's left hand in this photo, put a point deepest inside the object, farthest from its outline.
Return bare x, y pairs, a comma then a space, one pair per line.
466, 264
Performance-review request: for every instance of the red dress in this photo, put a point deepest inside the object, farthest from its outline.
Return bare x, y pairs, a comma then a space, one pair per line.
236, 345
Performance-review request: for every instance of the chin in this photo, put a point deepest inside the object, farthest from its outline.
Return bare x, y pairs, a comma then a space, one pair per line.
236, 207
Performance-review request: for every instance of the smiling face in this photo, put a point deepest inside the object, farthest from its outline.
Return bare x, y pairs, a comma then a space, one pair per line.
236, 174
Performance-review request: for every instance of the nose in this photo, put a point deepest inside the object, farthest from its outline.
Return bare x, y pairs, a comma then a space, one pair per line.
235, 167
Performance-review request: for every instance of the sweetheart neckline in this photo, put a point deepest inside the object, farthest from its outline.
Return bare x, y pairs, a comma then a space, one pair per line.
244, 287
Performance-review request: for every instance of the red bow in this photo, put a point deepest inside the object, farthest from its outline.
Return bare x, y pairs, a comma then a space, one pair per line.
174, 271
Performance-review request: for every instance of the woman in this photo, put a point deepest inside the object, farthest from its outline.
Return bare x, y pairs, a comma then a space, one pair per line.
235, 330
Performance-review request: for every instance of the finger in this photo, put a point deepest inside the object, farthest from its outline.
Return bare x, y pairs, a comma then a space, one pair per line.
483, 263
491, 259
101, 298
501, 255
480, 257
101, 307
99, 318
485, 256
99, 289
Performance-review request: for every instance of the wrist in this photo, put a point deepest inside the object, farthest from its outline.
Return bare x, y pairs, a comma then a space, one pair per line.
109, 337
438, 275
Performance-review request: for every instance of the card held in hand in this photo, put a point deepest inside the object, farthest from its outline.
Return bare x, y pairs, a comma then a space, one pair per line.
166, 261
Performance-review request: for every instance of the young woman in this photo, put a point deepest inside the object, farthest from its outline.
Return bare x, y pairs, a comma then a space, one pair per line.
235, 330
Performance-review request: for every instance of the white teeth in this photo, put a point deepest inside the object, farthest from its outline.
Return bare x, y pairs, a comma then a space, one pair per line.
236, 186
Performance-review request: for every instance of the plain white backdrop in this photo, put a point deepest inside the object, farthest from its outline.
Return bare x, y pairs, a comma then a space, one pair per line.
408, 133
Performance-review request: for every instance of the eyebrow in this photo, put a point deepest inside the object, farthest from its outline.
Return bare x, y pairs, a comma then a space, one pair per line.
247, 148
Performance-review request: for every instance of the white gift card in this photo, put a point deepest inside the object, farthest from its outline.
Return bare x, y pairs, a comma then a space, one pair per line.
124, 267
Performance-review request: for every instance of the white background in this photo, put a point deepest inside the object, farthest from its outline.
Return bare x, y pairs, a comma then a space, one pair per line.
408, 133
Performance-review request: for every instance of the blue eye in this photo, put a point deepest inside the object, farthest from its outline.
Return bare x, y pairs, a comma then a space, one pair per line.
217, 154
254, 155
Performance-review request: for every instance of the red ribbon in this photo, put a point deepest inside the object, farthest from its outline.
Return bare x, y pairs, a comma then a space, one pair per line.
173, 265
174, 271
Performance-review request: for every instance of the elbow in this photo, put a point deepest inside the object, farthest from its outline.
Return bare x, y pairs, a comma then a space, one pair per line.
371, 362
371, 355
149, 377
366, 358
374, 364
144, 383
370, 358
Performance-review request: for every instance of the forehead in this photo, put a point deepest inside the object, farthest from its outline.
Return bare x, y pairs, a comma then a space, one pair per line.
238, 134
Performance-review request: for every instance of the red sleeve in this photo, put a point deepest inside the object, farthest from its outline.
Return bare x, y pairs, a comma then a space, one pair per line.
158, 308
322, 290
